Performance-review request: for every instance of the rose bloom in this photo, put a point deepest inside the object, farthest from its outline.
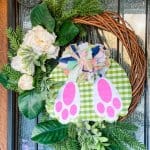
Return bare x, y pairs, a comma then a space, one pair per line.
41, 41
26, 82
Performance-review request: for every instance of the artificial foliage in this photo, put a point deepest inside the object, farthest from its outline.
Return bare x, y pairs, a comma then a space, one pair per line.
32, 58
91, 137
9, 78
49, 132
71, 142
31, 103
68, 144
63, 10
40, 15
15, 39
121, 135
94, 136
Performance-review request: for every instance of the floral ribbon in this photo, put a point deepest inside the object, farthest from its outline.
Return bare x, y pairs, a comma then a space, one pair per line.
89, 58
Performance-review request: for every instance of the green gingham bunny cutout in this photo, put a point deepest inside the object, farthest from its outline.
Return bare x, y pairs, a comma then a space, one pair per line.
96, 88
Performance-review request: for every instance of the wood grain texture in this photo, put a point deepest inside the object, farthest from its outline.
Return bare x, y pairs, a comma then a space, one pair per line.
3, 60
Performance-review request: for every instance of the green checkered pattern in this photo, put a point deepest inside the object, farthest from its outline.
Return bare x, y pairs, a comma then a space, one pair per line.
115, 74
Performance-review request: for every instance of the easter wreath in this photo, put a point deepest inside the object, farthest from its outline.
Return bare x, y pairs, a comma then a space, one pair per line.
83, 95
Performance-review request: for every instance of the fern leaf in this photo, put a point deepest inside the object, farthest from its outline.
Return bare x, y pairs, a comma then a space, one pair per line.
72, 144
88, 7
12, 77
129, 140
67, 9
117, 143
14, 43
15, 39
20, 34
72, 131
125, 126
54, 7
122, 135
68, 144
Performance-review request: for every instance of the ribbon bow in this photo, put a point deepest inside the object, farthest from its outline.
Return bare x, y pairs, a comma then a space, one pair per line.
90, 58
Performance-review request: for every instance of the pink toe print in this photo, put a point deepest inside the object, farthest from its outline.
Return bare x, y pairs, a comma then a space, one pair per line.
104, 90
65, 114
100, 108
73, 110
67, 104
58, 106
69, 93
107, 101
110, 111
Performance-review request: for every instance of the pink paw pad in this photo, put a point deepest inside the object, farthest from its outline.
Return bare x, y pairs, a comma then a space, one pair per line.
107, 101
67, 103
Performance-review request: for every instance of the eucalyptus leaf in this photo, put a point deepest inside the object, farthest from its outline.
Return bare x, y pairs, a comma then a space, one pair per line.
40, 15
49, 132
31, 103
67, 33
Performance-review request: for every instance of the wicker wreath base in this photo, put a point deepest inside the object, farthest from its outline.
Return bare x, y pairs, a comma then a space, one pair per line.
114, 23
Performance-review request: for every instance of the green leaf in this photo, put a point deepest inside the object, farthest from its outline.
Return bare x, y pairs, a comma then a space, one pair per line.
67, 33
9, 78
3, 79
40, 15
31, 103
49, 132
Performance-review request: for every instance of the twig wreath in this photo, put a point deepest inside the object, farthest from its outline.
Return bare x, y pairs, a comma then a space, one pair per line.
83, 94
108, 21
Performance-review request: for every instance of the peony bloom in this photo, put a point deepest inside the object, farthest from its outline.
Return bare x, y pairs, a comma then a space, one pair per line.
26, 82
41, 41
18, 65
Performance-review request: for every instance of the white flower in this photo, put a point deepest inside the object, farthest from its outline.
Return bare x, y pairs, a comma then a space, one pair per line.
26, 82
53, 52
18, 65
41, 41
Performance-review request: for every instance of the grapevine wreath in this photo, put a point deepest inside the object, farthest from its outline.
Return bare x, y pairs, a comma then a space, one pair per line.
82, 93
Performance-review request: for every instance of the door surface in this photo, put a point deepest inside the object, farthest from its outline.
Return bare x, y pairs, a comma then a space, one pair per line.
137, 13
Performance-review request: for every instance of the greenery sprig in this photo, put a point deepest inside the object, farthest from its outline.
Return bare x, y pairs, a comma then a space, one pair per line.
66, 9
9, 78
15, 39
121, 136
98, 136
90, 137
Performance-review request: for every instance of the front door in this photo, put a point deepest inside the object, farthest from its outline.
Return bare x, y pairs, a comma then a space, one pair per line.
137, 13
